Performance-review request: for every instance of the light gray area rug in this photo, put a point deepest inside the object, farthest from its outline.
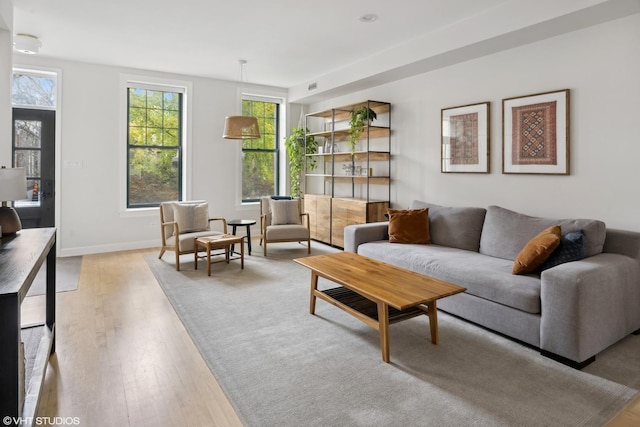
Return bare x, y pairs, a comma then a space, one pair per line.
67, 276
281, 366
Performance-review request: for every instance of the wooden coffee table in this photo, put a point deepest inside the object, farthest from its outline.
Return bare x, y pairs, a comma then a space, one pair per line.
222, 241
377, 293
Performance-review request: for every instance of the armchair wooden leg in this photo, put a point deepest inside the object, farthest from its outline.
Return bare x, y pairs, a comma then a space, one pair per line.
161, 253
264, 248
309, 246
177, 260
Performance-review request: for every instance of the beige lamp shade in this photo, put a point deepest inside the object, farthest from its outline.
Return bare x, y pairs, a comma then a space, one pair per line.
13, 186
241, 127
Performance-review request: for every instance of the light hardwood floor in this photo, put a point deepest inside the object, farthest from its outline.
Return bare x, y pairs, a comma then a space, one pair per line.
123, 356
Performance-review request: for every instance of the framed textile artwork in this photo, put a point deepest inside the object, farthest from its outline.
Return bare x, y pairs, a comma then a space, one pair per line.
535, 134
465, 139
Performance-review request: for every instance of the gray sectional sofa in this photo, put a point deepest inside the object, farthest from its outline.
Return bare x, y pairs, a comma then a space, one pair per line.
570, 312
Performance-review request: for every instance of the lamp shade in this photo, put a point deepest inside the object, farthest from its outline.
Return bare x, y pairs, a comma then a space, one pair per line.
241, 127
13, 184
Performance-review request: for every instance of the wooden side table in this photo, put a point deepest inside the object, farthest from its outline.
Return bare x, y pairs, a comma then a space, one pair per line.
223, 241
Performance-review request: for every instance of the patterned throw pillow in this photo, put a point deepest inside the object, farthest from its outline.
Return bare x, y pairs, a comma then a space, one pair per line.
571, 248
537, 250
409, 226
191, 217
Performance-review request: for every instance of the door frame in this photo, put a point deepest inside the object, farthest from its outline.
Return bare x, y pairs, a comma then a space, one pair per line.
58, 149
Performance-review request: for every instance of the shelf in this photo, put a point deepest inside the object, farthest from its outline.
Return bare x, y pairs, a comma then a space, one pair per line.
343, 134
358, 156
344, 112
364, 179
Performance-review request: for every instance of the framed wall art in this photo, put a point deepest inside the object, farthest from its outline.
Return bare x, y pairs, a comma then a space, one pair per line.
535, 134
465, 139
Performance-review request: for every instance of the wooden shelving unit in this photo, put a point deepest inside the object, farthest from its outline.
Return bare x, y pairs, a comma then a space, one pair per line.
347, 188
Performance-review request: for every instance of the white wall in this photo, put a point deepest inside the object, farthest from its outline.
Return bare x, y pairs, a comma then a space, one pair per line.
600, 65
90, 197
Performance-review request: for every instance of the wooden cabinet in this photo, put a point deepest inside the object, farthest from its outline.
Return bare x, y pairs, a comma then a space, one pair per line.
319, 209
353, 211
346, 185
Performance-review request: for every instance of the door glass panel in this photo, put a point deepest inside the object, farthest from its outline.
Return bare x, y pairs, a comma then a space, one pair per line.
27, 154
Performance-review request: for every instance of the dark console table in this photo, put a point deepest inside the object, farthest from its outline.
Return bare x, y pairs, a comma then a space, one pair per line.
21, 257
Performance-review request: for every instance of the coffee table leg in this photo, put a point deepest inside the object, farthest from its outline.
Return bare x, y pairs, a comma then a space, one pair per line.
208, 260
383, 327
242, 254
314, 287
432, 312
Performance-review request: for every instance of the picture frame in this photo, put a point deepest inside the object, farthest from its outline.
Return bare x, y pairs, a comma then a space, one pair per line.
465, 139
535, 134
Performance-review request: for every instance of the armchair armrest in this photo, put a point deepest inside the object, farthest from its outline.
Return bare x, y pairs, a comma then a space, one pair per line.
162, 230
224, 223
357, 234
304, 218
588, 305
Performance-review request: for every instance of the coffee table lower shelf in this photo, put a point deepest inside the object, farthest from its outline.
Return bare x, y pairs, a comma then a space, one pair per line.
360, 304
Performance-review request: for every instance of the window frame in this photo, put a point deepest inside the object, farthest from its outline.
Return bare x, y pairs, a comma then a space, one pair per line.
277, 151
167, 85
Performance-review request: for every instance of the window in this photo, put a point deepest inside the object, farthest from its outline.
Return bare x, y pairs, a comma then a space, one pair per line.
35, 90
260, 156
33, 97
154, 145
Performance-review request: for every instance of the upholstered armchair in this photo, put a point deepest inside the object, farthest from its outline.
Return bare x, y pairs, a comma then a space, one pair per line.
283, 221
182, 222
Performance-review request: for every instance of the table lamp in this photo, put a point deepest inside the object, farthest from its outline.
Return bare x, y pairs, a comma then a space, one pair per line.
13, 184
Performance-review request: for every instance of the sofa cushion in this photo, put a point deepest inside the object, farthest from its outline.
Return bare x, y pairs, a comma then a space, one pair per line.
285, 212
537, 250
191, 217
409, 226
456, 227
506, 232
571, 248
484, 276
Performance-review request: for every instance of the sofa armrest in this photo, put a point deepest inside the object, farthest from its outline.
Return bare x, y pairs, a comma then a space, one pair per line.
588, 305
357, 234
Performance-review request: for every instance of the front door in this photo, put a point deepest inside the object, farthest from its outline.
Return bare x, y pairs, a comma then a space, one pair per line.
34, 149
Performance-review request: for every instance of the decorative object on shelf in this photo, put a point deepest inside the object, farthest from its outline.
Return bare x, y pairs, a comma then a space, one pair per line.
535, 134
359, 118
13, 184
465, 139
297, 150
241, 127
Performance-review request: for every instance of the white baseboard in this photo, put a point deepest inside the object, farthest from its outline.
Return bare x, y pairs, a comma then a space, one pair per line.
115, 247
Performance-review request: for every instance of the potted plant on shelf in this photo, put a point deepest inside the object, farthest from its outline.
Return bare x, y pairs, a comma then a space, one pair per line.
295, 144
359, 118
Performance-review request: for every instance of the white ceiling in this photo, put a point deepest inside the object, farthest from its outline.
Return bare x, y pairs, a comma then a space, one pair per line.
286, 42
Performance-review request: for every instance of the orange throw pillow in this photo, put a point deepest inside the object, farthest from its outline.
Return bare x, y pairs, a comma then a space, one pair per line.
409, 226
537, 250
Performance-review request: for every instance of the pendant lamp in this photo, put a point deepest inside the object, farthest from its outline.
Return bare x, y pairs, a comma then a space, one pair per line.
241, 127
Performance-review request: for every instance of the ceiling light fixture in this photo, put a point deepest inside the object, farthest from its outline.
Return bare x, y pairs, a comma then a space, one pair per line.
241, 127
26, 43
369, 18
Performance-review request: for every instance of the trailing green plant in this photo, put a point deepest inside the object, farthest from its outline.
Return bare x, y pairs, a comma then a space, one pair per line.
359, 118
295, 145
